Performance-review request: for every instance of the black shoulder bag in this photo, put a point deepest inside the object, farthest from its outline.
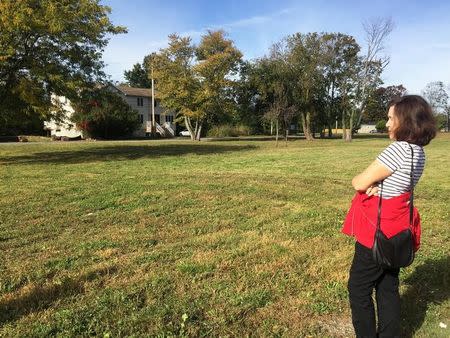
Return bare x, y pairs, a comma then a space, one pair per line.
397, 251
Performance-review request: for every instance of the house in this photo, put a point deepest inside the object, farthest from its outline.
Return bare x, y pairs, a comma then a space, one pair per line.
367, 128
63, 128
139, 99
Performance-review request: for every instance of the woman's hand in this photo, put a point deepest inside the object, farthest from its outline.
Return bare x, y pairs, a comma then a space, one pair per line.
372, 191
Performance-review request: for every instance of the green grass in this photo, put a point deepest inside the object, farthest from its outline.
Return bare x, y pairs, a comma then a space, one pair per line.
174, 238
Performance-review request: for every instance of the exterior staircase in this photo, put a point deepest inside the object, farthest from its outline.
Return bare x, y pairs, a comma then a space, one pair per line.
167, 130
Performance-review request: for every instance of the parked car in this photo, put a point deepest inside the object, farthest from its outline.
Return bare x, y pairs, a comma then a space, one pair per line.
185, 133
373, 131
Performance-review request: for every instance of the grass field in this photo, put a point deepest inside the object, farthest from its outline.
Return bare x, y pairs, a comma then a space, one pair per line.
174, 238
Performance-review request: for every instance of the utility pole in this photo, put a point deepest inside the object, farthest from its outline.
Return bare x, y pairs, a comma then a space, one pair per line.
153, 105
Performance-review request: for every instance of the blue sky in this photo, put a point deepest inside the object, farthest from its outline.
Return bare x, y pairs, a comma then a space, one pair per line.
419, 46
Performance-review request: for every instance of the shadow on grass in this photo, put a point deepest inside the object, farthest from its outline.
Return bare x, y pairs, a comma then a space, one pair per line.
428, 284
122, 152
41, 297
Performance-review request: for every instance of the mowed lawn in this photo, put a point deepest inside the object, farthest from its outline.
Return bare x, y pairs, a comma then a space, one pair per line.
176, 238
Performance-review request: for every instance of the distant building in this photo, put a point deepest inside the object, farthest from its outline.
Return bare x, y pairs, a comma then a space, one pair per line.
63, 128
139, 99
367, 128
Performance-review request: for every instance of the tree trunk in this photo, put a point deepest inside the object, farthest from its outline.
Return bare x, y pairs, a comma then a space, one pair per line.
271, 128
276, 137
448, 118
287, 134
306, 124
188, 123
330, 112
199, 131
349, 135
344, 127
195, 129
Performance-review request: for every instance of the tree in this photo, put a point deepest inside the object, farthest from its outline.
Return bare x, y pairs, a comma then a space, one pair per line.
341, 67
176, 81
198, 81
138, 76
101, 113
49, 47
373, 62
217, 67
437, 97
381, 126
264, 79
378, 101
279, 91
250, 109
305, 57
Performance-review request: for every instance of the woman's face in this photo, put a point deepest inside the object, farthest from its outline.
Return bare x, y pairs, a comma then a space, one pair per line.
392, 123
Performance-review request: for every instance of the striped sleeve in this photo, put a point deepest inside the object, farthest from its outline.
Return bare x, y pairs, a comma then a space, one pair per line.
393, 156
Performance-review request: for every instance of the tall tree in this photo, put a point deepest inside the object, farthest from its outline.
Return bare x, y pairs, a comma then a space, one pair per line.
373, 62
138, 76
378, 101
340, 70
198, 82
437, 97
49, 47
217, 67
306, 62
248, 98
176, 80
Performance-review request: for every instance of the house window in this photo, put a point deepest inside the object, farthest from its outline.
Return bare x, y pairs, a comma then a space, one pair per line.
140, 101
141, 118
169, 118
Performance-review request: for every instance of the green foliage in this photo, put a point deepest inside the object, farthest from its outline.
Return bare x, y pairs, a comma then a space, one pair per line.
381, 126
217, 64
22, 121
437, 96
227, 130
175, 79
137, 77
378, 101
196, 80
49, 47
101, 113
441, 121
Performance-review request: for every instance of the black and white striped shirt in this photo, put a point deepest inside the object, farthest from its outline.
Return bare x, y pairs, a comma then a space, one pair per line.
397, 158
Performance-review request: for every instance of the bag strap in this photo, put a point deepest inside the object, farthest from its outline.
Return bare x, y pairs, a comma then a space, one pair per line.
411, 195
411, 186
380, 198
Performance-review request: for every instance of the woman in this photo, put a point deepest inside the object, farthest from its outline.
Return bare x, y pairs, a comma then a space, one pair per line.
411, 126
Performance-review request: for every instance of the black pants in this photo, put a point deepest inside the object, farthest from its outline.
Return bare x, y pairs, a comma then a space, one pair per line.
365, 276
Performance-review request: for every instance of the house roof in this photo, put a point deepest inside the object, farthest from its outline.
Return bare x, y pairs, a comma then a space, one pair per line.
133, 91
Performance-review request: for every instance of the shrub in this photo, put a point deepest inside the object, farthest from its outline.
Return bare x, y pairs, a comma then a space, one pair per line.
102, 113
227, 130
381, 126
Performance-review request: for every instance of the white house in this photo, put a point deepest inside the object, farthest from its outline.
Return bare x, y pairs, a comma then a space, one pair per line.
367, 128
64, 128
139, 99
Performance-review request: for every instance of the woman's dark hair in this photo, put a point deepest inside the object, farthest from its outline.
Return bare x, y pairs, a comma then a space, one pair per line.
416, 123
